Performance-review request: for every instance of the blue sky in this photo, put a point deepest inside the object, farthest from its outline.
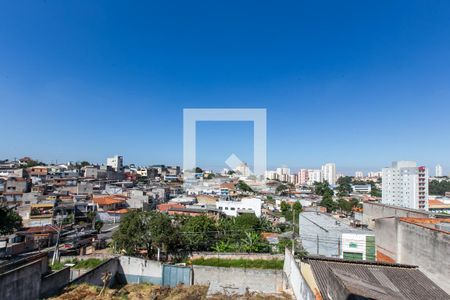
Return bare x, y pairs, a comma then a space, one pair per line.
359, 83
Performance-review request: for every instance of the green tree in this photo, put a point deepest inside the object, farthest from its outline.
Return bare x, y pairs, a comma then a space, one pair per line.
344, 186
282, 189
198, 232
9, 220
328, 203
439, 188
242, 186
150, 231
253, 242
322, 188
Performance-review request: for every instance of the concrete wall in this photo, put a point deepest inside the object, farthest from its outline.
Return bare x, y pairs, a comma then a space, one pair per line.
54, 283
373, 211
413, 244
94, 276
220, 279
429, 249
386, 239
138, 270
294, 279
21, 283
251, 256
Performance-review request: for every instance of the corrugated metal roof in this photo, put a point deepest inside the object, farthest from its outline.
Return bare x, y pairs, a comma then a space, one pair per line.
373, 280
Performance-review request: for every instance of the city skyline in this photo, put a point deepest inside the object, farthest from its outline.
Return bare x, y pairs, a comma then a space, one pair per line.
357, 90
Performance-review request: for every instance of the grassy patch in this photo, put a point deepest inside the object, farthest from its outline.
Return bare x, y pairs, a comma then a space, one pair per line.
78, 264
240, 263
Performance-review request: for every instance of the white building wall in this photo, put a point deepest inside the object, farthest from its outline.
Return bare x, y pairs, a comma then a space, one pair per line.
406, 185
231, 208
329, 173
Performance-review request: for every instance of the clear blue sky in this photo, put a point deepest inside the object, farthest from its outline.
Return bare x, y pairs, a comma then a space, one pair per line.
359, 83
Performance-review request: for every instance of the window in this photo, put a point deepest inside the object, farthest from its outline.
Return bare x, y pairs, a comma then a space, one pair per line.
232, 208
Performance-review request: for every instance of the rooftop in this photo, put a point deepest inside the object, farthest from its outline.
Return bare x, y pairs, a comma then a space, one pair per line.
438, 224
316, 226
339, 279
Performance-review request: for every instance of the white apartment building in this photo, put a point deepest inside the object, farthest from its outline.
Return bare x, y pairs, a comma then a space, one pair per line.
314, 176
271, 175
359, 174
243, 170
303, 176
293, 179
283, 171
246, 205
406, 185
439, 172
115, 162
374, 174
329, 173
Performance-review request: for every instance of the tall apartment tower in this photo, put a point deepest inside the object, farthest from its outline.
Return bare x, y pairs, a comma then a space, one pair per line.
329, 173
406, 185
303, 176
115, 162
439, 172
359, 174
314, 176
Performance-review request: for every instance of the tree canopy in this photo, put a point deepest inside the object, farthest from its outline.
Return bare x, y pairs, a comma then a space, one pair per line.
242, 186
9, 220
142, 233
344, 186
439, 188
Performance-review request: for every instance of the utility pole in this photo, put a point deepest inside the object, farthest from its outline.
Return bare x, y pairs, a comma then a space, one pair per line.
56, 251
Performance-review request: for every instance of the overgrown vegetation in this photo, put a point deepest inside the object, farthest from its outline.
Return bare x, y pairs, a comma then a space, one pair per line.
9, 220
78, 264
240, 263
143, 233
149, 291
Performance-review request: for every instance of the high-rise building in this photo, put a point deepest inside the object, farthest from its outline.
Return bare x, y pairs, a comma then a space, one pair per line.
439, 172
359, 174
272, 175
283, 171
303, 176
314, 176
406, 185
293, 178
243, 170
115, 162
329, 173
374, 174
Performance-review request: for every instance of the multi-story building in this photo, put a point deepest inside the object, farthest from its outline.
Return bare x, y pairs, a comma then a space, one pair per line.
115, 162
303, 176
359, 174
235, 208
271, 175
374, 174
406, 185
293, 179
243, 170
314, 176
439, 172
283, 171
329, 173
